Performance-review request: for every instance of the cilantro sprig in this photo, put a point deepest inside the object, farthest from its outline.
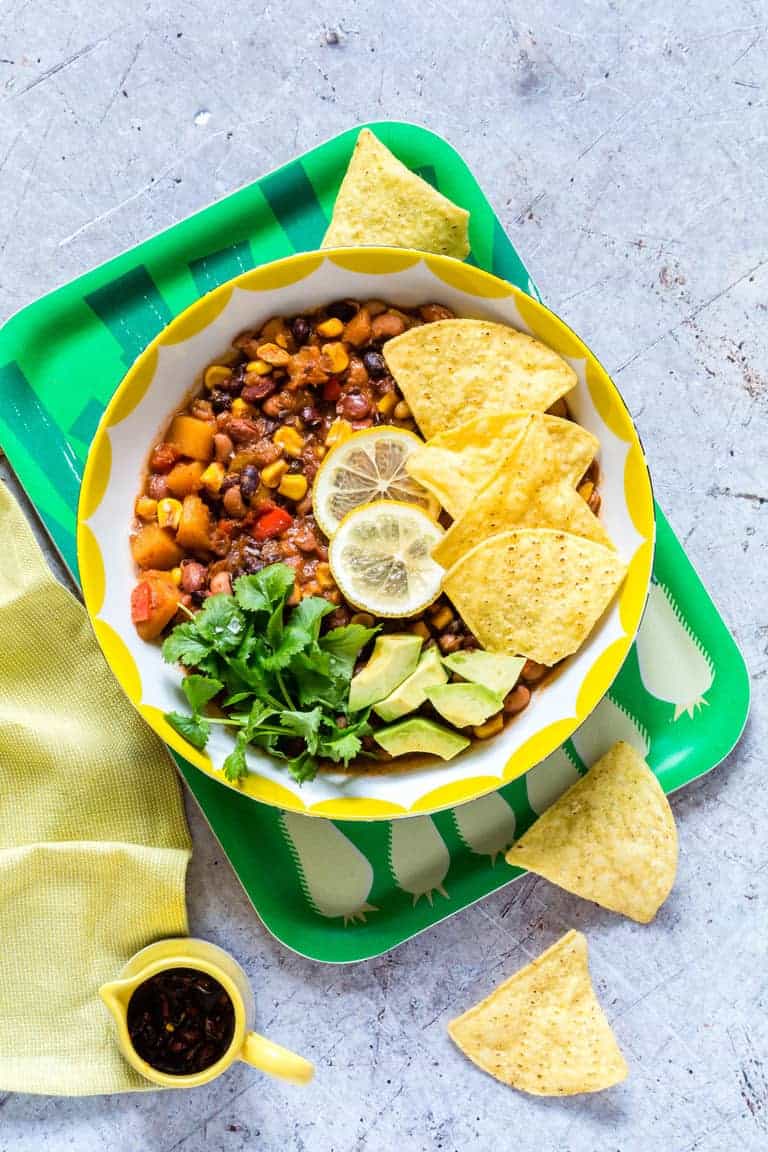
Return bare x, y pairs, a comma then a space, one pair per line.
282, 685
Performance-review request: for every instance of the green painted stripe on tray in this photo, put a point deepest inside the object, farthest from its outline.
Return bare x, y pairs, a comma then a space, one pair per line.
293, 201
210, 271
84, 427
43, 438
132, 309
505, 261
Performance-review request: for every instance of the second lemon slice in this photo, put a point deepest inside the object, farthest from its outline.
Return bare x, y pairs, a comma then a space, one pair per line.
380, 559
367, 467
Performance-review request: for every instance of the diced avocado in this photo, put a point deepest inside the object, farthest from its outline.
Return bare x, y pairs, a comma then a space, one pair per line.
464, 704
393, 658
409, 695
498, 673
420, 735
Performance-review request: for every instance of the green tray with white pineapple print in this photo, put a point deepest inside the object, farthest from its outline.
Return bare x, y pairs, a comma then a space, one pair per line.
334, 891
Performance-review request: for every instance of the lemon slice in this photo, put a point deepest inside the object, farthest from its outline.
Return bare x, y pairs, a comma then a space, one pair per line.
380, 559
368, 467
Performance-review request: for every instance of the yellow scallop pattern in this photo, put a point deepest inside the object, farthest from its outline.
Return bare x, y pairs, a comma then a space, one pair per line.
477, 283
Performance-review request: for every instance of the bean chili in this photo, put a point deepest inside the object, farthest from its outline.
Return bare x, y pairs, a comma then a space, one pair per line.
229, 487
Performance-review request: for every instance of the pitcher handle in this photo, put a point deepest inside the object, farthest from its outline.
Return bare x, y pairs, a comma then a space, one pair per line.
275, 1060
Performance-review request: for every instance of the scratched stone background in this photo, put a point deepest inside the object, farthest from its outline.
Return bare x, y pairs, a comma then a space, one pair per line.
624, 147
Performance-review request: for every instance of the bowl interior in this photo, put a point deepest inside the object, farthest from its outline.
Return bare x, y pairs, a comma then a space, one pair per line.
157, 385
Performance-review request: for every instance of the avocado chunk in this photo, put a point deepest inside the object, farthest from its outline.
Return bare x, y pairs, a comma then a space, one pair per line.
412, 693
464, 704
420, 735
393, 658
496, 672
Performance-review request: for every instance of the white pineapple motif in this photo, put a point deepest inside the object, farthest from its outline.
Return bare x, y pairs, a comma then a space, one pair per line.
486, 826
608, 723
549, 779
418, 857
335, 876
673, 665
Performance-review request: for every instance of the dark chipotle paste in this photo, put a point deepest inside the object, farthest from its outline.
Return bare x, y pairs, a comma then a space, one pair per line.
181, 1021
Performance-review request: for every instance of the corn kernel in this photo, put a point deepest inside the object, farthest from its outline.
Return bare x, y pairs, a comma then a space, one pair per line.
420, 629
337, 357
273, 473
293, 487
320, 451
402, 411
216, 374
324, 576
260, 367
363, 618
146, 508
387, 404
331, 327
586, 489
338, 432
490, 728
273, 354
176, 576
442, 618
168, 513
281, 339
213, 477
239, 407
291, 441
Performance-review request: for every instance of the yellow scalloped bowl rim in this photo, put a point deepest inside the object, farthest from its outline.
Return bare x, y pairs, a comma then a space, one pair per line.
545, 326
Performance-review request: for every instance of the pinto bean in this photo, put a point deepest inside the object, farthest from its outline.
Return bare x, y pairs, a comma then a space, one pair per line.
233, 502
354, 406
157, 487
193, 576
386, 326
221, 583
517, 700
242, 430
223, 447
533, 672
431, 312
357, 374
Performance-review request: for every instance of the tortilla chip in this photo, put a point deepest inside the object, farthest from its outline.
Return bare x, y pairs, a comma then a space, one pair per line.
543, 1030
452, 368
455, 464
522, 494
610, 838
535, 592
380, 201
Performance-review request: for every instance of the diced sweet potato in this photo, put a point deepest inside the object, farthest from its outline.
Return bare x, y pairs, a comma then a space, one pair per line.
184, 479
159, 598
191, 437
154, 547
194, 529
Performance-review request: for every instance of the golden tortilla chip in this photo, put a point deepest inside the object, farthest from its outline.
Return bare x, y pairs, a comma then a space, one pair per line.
543, 1030
525, 492
455, 464
454, 368
380, 201
536, 592
610, 838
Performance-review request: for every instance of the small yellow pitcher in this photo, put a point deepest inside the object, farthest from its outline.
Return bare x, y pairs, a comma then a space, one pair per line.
246, 1045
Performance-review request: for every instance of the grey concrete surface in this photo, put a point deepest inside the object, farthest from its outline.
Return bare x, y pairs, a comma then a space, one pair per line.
624, 146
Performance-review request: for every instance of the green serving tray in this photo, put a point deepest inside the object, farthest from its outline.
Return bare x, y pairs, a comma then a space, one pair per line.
338, 891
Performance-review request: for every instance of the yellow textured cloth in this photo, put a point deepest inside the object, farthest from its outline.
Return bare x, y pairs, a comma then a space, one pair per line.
93, 841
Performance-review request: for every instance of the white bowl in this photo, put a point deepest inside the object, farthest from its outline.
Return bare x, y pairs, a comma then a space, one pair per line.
158, 384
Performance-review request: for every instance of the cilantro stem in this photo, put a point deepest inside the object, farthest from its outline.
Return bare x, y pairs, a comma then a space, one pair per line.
183, 608
222, 720
285, 692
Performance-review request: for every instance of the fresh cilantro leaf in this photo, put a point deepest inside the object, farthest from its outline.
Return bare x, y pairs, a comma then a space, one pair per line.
194, 729
236, 698
185, 646
199, 690
235, 767
316, 683
257, 715
221, 622
344, 747
304, 724
266, 590
302, 767
307, 616
344, 646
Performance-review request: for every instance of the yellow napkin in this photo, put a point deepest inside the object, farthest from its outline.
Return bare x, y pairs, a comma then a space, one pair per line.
93, 841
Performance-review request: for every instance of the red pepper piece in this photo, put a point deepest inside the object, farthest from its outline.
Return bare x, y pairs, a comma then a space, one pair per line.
272, 524
331, 390
141, 602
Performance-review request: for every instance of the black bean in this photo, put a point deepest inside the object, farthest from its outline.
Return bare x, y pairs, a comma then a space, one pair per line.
342, 310
310, 416
249, 480
220, 401
301, 329
374, 363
